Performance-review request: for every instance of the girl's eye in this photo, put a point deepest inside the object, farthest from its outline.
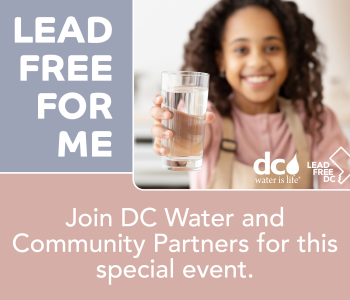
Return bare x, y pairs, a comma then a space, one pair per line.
271, 49
241, 50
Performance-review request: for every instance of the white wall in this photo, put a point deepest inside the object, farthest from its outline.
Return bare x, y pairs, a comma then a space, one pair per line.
332, 25
161, 28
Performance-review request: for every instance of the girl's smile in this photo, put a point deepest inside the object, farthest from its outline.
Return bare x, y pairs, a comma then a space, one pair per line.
258, 80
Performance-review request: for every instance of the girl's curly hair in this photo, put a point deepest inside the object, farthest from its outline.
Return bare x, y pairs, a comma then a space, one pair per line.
304, 79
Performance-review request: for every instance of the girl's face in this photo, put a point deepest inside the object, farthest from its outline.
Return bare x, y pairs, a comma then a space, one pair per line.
253, 55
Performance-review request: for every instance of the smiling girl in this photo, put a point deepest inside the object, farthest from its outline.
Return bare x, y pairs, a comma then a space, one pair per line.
265, 94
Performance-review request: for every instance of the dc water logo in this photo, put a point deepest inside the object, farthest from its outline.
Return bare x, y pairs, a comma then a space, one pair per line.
292, 167
277, 168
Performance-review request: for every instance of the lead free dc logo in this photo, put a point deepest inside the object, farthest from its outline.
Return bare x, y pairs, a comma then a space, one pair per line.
340, 180
322, 169
292, 169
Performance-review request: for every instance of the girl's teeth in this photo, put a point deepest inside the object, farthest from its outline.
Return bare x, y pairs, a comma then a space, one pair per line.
258, 79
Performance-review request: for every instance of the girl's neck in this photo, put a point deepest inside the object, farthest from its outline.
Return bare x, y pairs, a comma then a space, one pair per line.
252, 108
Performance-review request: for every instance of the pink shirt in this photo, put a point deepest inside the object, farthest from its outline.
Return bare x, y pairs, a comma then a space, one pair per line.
256, 134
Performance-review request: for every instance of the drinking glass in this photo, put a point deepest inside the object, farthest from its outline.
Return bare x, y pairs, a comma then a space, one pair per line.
185, 96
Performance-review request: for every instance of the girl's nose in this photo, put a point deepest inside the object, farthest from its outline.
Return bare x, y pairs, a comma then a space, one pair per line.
256, 60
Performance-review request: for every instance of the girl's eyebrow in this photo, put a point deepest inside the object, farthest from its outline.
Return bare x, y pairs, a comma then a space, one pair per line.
269, 38
239, 40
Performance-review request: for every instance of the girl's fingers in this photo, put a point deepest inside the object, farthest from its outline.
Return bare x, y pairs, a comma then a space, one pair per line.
158, 149
210, 117
159, 132
158, 100
160, 113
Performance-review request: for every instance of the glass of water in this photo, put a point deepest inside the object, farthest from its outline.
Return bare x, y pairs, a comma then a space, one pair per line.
185, 96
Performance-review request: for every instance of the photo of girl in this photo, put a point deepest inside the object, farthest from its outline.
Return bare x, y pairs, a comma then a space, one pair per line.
265, 100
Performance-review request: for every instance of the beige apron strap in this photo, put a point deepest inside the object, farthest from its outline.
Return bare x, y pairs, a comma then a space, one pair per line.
295, 125
221, 177
299, 137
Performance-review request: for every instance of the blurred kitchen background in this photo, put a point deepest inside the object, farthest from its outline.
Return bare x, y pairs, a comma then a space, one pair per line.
158, 47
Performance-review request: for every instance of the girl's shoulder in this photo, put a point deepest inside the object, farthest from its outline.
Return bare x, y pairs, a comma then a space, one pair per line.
327, 117
331, 136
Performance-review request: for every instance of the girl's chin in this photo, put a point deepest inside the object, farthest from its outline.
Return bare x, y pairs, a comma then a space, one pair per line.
259, 99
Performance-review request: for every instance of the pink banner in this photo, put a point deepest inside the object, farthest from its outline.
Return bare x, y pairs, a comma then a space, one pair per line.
298, 250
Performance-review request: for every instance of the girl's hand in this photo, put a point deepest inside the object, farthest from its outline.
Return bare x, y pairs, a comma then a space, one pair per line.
158, 114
